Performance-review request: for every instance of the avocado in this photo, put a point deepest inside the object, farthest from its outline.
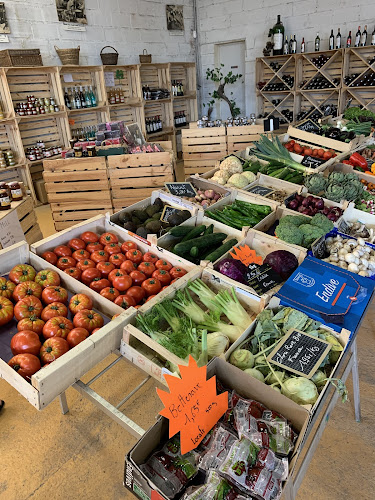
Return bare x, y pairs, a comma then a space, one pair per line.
124, 217
140, 214
158, 203
157, 216
142, 232
130, 226
151, 210
185, 214
154, 226
175, 220
135, 220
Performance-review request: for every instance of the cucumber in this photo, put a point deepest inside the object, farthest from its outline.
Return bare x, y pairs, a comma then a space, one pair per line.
180, 231
202, 242
218, 252
194, 233
194, 251
209, 230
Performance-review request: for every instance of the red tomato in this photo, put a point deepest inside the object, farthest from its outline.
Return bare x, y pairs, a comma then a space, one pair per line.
128, 245
62, 251
88, 319
89, 237
152, 296
177, 272
110, 293
95, 246
81, 254
21, 273
52, 349
76, 336
25, 341
115, 273
57, 327
105, 268
74, 272
122, 283
146, 268
47, 277
137, 277
320, 152
112, 248
50, 257
26, 289
124, 301
94, 330
25, 365
327, 155
128, 266
29, 306
151, 286
88, 275
134, 255
98, 284
54, 309
174, 281
163, 264
150, 257
117, 259
137, 293
54, 294
79, 302
108, 238
163, 276
6, 288
33, 324
85, 264
66, 262
76, 244
315, 152
100, 256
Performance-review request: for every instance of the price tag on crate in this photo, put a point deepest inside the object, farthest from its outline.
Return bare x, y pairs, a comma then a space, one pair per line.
261, 190
10, 230
262, 278
309, 126
300, 353
343, 227
192, 405
289, 198
168, 211
319, 248
312, 161
181, 189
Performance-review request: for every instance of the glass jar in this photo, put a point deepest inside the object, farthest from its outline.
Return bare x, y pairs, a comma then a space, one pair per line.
91, 151
4, 200
15, 191
77, 151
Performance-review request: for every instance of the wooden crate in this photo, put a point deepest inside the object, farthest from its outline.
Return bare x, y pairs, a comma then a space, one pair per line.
357, 62
134, 177
83, 118
189, 107
312, 101
239, 138
202, 147
27, 217
162, 108
185, 73
83, 76
266, 73
324, 142
52, 380
51, 129
127, 114
306, 69
19, 173
362, 97
130, 84
156, 75
10, 139
6, 103
77, 189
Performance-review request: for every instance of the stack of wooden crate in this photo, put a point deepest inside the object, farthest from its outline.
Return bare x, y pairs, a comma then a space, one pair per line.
202, 147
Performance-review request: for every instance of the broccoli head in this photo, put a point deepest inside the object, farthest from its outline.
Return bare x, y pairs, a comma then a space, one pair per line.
296, 220
323, 222
310, 233
289, 233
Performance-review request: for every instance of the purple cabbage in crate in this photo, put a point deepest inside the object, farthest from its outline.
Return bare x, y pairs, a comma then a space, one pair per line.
232, 268
282, 262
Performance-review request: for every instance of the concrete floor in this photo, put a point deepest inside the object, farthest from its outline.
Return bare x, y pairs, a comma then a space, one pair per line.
80, 455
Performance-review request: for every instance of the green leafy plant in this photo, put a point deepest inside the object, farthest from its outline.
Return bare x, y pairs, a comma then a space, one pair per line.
216, 75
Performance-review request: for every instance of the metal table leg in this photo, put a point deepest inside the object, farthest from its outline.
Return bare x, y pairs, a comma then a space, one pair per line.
63, 403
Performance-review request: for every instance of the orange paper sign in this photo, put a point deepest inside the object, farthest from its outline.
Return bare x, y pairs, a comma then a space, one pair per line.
246, 255
192, 405
156, 496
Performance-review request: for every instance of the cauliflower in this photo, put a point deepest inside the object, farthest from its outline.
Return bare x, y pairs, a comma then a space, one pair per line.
220, 177
310, 234
289, 233
231, 165
323, 222
249, 176
238, 180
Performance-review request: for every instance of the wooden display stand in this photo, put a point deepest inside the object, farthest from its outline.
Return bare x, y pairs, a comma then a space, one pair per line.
202, 147
27, 217
239, 138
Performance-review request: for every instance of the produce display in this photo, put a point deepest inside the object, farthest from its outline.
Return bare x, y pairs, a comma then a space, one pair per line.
311, 205
205, 197
359, 230
301, 230
274, 169
305, 150
369, 152
359, 163
246, 456
271, 326
363, 115
240, 214
232, 174
336, 187
120, 272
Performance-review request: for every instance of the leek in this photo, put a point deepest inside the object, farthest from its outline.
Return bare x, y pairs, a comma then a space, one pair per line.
273, 150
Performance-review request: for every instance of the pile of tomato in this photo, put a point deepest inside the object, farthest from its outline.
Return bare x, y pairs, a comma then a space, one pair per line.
293, 147
118, 271
41, 306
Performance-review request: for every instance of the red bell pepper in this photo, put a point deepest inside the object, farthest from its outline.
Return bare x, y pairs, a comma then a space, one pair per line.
358, 161
347, 162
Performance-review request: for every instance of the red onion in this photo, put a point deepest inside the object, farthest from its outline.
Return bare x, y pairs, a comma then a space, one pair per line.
306, 202
319, 204
293, 205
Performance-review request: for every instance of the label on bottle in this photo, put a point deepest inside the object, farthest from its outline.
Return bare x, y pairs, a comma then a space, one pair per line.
357, 39
363, 38
278, 41
338, 43
373, 39
16, 193
5, 202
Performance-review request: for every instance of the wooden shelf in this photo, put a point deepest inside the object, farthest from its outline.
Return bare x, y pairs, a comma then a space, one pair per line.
165, 131
41, 117
102, 107
152, 101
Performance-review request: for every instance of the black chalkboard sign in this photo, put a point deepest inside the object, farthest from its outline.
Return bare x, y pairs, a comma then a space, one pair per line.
261, 190
300, 353
309, 126
312, 161
262, 278
319, 248
289, 199
167, 212
181, 189
343, 227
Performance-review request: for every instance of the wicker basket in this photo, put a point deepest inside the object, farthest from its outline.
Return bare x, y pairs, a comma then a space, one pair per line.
68, 57
110, 58
145, 58
20, 57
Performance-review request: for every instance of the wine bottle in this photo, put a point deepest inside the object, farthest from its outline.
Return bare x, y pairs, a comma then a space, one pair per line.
286, 46
294, 45
278, 37
82, 97
317, 43
77, 99
88, 97
331, 41
358, 37
303, 46
93, 97
349, 40
67, 100
290, 44
373, 38
364, 37
338, 39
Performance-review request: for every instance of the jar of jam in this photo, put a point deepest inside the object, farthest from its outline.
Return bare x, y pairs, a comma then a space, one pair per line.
4, 185
91, 151
15, 191
4, 200
77, 151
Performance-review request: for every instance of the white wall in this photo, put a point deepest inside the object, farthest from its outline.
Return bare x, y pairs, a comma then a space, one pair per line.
128, 25
249, 20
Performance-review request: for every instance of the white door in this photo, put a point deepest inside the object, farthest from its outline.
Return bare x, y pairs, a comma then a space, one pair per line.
232, 55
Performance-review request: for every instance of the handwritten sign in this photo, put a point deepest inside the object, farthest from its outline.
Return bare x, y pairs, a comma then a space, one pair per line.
73, 27
68, 77
309, 126
312, 161
319, 248
109, 78
192, 405
342, 226
300, 353
167, 212
262, 278
10, 230
261, 190
181, 189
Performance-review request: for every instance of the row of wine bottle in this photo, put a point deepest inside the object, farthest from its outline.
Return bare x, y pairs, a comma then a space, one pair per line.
84, 97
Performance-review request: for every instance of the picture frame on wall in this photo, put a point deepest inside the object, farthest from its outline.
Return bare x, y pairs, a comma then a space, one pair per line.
175, 17
4, 26
71, 11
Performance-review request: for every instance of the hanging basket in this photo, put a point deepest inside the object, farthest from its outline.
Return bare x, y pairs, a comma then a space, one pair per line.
68, 56
145, 58
110, 58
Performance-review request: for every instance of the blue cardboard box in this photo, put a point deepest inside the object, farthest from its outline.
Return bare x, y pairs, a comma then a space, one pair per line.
328, 293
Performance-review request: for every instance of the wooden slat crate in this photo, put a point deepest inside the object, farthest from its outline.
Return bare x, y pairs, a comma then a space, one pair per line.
82, 118
156, 75
306, 70
51, 129
201, 147
305, 100
324, 142
130, 84
19, 173
185, 73
27, 217
77, 189
239, 138
164, 110
127, 114
188, 106
83, 76
9, 139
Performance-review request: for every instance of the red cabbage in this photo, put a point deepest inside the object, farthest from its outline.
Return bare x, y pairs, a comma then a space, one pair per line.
232, 268
282, 262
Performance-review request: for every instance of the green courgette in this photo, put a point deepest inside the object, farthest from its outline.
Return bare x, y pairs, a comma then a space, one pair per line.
180, 231
194, 251
202, 242
209, 230
194, 233
218, 252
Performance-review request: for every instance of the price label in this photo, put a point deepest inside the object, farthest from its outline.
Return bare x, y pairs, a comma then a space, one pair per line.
68, 77
309, 126
167, 212
343, 227
312, 162
261, 190
10, 230
109, 78
262, 278
289, 199
192, 405
181, 189
319, 248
